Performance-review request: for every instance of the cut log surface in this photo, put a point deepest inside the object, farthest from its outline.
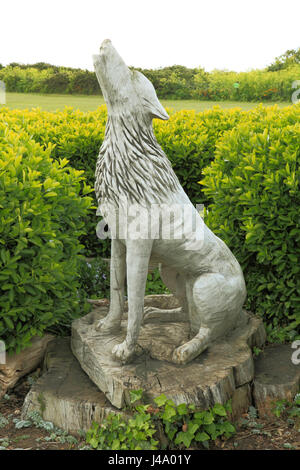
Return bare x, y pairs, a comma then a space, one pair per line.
26, 361
211, 378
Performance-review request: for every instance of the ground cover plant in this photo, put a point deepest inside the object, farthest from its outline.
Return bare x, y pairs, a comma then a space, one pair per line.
160, 424
277, 431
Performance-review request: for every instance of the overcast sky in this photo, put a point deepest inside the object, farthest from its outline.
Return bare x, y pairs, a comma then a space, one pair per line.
224, 34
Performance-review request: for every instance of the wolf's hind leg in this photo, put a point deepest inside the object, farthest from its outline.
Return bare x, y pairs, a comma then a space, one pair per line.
218, 301
175, 282
190, 350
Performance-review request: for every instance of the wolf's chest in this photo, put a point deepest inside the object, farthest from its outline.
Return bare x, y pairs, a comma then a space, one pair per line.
172, 222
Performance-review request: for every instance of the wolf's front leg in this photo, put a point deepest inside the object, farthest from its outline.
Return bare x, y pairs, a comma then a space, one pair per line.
111, 323
137, 260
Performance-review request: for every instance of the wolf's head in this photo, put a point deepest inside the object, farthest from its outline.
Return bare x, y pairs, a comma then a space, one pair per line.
124, 90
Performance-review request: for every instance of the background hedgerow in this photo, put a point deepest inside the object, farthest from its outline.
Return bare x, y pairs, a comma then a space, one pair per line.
175, 82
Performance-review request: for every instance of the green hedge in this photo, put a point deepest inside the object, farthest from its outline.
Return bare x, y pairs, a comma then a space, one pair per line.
254, 185
187, 138
41, 220
239, 154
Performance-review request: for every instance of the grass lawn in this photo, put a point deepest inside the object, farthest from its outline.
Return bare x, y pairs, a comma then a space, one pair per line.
90, 103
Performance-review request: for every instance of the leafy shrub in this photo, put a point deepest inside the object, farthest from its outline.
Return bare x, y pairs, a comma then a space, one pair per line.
25, 80
287, 408
255, 85
188, 139
41, 219
178, 425
77, 136
183, 424
191, 141
117, 433
285, 60
254, 185
57, 83
94, 279
154, 284
84, 82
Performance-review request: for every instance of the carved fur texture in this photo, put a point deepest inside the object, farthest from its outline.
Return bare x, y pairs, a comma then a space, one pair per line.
196, 266
132, 165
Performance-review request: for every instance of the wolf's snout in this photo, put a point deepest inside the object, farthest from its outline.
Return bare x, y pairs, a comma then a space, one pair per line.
121, 86
105, 48
106, 43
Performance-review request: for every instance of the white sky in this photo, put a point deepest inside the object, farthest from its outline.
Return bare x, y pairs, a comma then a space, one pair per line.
224, 34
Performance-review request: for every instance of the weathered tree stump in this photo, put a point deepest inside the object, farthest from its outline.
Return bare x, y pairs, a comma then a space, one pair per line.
276, 377
213, 377
23, 363
64, 394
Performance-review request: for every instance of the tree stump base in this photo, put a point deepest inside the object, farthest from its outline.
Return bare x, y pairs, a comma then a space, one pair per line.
64, 394
213, 377
276, 377
72, 399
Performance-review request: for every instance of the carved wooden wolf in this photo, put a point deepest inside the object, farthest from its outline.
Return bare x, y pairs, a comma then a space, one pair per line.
132, 170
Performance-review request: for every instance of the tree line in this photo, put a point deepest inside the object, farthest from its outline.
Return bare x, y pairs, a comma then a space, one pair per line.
174, 82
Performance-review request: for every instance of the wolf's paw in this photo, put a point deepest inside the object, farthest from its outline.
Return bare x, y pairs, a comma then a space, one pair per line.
108, 326
181, 355
122, 352
190, 350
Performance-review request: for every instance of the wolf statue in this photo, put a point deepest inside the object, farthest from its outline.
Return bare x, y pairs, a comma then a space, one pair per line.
132, 171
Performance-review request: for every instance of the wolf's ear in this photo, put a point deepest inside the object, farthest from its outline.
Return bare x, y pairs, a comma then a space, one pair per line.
148, 97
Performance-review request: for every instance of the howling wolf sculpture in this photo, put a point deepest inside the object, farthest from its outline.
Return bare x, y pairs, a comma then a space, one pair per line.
132, 172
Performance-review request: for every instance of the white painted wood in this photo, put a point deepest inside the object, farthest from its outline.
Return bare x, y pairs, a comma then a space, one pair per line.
151, 218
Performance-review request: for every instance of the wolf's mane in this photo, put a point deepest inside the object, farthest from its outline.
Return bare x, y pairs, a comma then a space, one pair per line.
131, 165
